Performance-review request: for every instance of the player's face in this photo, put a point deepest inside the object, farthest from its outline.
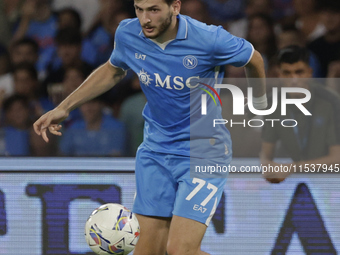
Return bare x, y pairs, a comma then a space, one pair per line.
157, 18
297, 74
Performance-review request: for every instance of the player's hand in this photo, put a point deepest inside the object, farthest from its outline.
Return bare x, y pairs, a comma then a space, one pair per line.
50, 121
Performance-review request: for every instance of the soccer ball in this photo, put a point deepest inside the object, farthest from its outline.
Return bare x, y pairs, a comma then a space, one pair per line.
112, 229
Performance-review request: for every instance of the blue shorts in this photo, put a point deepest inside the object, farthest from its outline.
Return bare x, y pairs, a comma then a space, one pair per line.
164, 187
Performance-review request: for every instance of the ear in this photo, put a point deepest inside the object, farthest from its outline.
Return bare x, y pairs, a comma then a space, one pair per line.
176, 5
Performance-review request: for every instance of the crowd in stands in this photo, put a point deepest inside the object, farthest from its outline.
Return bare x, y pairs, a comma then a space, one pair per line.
49, 47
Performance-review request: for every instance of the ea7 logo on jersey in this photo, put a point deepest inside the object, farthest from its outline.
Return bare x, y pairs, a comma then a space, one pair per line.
140, 56
199, 208
190, 62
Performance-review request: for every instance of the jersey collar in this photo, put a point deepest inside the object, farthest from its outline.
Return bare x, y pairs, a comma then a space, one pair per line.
182, 32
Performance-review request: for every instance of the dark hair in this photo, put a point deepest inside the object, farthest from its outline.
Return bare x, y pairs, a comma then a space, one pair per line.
68, 36
75, 14
293, 54
15, 98
28, 68
26, 41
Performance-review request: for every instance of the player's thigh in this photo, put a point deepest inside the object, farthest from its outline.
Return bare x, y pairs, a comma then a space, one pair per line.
185, 236
154, 233
195, 205
155, 187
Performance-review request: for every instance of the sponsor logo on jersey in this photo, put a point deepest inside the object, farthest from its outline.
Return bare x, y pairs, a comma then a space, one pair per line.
144, 77
169, 82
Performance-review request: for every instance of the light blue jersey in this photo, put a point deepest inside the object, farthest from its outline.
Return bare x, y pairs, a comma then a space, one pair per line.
169, 76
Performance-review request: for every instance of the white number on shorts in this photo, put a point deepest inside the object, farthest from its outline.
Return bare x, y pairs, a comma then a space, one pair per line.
212, 193
200, 185
198, 188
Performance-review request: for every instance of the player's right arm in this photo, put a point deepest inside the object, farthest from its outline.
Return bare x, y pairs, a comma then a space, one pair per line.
100, 81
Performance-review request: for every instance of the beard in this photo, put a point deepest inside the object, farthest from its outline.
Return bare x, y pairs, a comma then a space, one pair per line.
162, 28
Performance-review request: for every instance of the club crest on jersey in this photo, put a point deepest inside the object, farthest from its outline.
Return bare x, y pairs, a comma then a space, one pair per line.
190, 62
144, 77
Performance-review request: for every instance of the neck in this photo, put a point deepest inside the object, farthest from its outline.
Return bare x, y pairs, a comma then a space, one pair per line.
170, 33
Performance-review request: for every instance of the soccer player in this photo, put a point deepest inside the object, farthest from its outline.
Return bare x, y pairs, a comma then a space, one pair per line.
169, 52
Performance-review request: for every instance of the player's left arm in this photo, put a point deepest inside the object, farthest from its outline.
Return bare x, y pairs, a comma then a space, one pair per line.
257, 80
255, 69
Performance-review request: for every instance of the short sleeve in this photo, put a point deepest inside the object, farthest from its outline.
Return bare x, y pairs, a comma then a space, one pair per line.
231, 50
117, 55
